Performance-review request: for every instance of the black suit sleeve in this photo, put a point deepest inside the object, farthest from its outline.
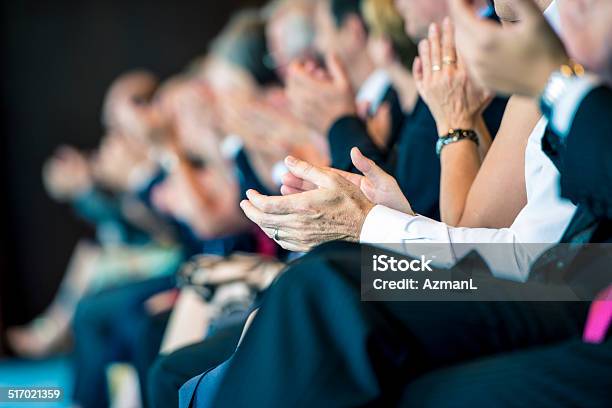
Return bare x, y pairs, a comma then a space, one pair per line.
346, 133
351, 131
586, 162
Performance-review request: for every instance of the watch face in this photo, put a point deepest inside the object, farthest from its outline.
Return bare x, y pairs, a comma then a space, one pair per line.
439, 145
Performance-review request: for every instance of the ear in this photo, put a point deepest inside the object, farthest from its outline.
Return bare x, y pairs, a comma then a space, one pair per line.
355, 30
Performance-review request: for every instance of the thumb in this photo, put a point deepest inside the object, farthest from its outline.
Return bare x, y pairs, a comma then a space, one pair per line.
337, 70
369, 169
308, 172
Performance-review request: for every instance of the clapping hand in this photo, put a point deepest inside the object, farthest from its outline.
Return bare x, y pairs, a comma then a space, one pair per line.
322, 204
378, 186
454, 99
517, 59
318, 97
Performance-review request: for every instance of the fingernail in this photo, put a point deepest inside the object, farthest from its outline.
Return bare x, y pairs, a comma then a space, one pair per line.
432, 28
290, 161
447, 21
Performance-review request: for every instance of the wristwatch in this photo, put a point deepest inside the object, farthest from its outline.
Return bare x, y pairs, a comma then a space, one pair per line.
557, 85
456, 135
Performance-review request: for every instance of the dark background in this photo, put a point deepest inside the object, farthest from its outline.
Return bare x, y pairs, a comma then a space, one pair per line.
58, 59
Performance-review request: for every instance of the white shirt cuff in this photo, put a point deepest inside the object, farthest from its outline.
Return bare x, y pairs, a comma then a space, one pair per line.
230, 146
411, 235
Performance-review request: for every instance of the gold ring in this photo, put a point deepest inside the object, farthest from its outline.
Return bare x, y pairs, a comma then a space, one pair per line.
449, 61
436, 68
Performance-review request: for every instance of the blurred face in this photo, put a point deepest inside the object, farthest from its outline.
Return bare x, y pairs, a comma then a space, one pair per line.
587, 34
289, 36
348, 40
328, 38
419, 14
127, 101
225, 77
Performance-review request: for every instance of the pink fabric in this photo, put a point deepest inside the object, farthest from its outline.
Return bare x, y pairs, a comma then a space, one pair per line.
265, 245
599, 319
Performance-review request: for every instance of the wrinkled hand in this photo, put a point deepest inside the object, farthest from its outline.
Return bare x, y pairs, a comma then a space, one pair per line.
453, 98
378, 186
335, 210
319, 98
587, 33
517, 59
66, 175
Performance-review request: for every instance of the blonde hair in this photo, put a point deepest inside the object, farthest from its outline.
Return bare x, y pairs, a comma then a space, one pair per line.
383, 20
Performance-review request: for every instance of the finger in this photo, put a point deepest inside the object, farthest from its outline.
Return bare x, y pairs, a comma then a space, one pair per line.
308, 172
286, 190
435, 48
369, 169
369, 190
337, 70
299, 77
353, 178
261, 218
448, 42
417, 70
290, 180
252, 212
271, 204
424, 54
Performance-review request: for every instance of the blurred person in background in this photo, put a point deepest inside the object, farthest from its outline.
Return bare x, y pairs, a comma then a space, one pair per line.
393, 51
254, 117
201, 189
109, 190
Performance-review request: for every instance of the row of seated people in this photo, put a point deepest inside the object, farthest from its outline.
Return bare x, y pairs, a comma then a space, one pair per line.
233, 204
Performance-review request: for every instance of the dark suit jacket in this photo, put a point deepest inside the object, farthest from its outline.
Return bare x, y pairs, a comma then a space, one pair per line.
411, 159
584, 160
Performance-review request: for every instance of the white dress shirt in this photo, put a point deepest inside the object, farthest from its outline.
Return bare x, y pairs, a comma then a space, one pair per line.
373, 89
539, 225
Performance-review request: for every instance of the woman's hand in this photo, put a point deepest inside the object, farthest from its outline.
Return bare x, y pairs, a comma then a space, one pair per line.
454, 99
